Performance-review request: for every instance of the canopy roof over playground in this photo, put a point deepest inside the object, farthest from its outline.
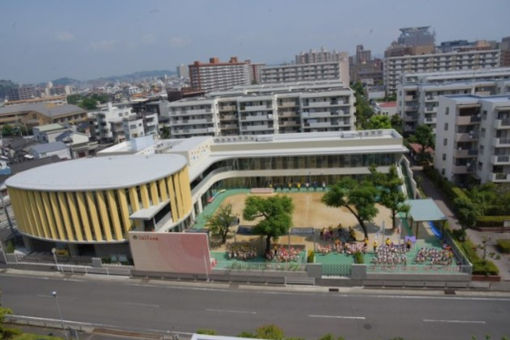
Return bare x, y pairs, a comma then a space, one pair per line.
424, 210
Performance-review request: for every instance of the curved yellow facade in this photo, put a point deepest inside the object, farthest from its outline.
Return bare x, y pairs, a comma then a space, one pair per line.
98, 215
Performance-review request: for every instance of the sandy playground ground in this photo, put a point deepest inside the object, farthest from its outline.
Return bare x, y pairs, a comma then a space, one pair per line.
309, 211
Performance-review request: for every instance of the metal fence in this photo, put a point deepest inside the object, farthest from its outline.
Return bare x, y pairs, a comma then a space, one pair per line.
336, 269
275, 266
418, 268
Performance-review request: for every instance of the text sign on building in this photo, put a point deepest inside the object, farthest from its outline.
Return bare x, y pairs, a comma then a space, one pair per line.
170, 252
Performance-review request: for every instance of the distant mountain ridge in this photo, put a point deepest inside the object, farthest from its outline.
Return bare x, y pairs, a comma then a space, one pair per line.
135, 75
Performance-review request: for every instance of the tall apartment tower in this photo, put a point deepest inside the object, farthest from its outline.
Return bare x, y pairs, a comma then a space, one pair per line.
321, 56
217, 76
504, 48
473, 138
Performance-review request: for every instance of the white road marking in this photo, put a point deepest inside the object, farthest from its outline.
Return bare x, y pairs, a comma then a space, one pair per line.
230, 311
455, 321
44, 295
336, 317
141, 304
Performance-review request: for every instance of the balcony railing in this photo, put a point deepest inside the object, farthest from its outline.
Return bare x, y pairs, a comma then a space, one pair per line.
502, 123
500, 177
501, 159
502, 142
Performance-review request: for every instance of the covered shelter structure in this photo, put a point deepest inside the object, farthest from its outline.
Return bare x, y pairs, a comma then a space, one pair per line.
425, 211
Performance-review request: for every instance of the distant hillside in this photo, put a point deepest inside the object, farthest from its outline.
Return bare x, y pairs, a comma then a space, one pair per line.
136, 76
5, 86
64, 81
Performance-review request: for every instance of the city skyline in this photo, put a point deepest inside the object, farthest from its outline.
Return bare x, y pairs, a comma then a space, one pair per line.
45, 41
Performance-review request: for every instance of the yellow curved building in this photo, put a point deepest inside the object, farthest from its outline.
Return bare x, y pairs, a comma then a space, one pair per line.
98, 200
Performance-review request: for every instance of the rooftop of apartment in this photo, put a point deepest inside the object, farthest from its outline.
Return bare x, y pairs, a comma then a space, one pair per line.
47, 109
473, 99
333, 62
439, 54
445, 75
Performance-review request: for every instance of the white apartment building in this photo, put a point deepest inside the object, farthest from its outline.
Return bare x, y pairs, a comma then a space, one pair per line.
418, 95
395, 67
217, 76
118, 123
307, 72
473, 138
265, 109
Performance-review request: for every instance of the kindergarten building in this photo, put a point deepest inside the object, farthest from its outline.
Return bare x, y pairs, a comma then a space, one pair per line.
162, 185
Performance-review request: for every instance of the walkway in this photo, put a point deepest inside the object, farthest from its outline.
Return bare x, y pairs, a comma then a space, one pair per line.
210, 208
476, 237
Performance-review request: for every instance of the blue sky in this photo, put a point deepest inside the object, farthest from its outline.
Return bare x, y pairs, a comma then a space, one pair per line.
44, 40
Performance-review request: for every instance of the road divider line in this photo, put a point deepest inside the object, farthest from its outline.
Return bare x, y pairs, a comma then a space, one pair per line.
141, 304
336, 317
229, 311
456, 321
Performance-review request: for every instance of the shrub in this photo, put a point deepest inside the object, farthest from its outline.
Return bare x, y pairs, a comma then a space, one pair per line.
10, 248
206, 331
358, 257
271, 332
485, 268
311, 257
246, 334
491, 221
504, 246
459, 193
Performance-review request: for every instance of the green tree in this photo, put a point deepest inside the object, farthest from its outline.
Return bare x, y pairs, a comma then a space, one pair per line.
397, 123
363, 109
389, 191
220, 223
74, 99
330, 336
467, 212
5, 332
271, 332
206, 331
165, 132
357, 197
275, 213
88, 104
7, 130
379, 122
424, 136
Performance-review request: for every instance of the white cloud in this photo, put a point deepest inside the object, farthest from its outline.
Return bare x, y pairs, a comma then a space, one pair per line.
65, 36
179, 42
103, 45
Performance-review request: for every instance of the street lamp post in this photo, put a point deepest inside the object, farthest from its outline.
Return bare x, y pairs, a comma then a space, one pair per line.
54, 252
54, 294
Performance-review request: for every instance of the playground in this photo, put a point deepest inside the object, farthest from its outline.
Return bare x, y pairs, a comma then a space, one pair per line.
322, 229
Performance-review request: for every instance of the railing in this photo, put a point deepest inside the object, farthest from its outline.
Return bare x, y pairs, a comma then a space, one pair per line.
418, 268
263, 266
459, 254
336, 269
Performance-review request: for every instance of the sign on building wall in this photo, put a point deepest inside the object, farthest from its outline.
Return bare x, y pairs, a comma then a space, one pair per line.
170, 252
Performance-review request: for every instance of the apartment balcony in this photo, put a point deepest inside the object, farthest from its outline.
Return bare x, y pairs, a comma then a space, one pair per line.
228, 117
431, 98
430, 109
229, 126
191, 122
228, 108
287, 104
500, 177
289, 123
319, 125
430, 120
502, 123
411, 107
468, 153
256, 108
190, 113
501, 160
501, 142
461, 169
257, 118
257, 128
410, 118
324, 114
465, 120
192, 131
466, 137
324, 103
409, 98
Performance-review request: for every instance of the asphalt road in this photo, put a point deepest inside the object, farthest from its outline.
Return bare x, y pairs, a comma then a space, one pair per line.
134, 305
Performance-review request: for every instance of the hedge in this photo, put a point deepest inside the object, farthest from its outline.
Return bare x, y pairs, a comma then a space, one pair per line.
485, 268
504, 246
491, 221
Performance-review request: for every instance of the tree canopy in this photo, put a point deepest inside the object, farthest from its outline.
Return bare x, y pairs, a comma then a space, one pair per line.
379, 122
390, 195
275, 215
424, 136
357, 197
220, 223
